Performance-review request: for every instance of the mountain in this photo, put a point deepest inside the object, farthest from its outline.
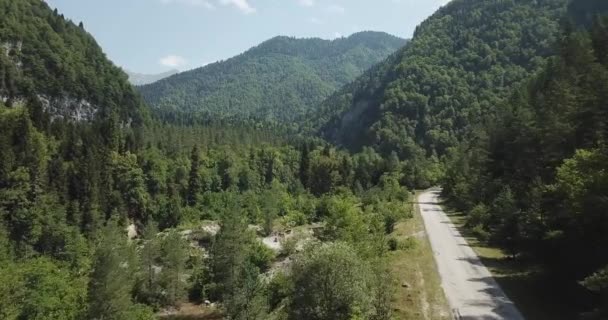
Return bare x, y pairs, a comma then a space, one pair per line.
277, 80
460, 65
140, 79
55, 63
535, 179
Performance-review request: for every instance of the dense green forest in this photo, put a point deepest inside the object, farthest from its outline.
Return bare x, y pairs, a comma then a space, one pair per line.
119, 216
505, 102
534, 181
111, 210
278, 80
460, 64
66, 256
45, 57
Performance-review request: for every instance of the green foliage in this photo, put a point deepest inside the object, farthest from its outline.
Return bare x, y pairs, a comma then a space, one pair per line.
45, 54
130, 189
393, 244
598, 283
51, 292
344, 219
460, 65
10, 291
276, 81
534, 180
71, 191
330, 283
41, 289
174, 256
147, 288
235, 275
111, 281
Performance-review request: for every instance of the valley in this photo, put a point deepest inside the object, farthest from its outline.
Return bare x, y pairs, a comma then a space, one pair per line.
304, 178
469, 286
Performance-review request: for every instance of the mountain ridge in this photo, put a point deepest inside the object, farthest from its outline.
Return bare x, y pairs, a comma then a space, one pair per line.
460, 64
275, 80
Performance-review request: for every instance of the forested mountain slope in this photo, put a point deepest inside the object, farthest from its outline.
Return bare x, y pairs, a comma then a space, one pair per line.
110, 219
57, 66
461, 63
277, 80
535, 179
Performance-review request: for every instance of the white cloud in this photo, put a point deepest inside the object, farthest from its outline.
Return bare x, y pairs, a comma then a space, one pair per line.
242, 5
195, 3
173, 61
335, 9
338, 35
307, 3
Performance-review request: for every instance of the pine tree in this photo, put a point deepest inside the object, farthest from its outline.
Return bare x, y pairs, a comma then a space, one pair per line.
305, 166
194, 182
111, 282
148, 290
174, 256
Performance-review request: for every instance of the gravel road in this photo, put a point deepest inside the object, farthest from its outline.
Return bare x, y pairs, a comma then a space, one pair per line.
470, 288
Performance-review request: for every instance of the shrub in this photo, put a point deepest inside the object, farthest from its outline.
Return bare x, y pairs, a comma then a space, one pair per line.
393, 244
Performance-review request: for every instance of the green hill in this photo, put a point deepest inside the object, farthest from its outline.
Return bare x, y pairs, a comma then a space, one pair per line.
47, 59
277, 80
461, 63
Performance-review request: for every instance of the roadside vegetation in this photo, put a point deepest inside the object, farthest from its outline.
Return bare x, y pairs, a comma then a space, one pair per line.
534, 182
417, 285
535, 291
110, 212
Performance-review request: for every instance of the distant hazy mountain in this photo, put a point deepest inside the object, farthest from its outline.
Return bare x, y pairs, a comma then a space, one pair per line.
280, 79
140, 79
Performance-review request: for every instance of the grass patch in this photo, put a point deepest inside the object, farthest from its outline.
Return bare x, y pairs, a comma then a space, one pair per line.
418, 291
536, 293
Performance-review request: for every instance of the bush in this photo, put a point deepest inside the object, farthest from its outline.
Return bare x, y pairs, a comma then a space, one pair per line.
393, 244
478, 216
407, 244
279, 289
295, 218
261, 256
290, 245
329, 282
480, 233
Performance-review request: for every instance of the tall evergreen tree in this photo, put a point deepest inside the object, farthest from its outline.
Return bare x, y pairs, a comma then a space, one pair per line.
194, 182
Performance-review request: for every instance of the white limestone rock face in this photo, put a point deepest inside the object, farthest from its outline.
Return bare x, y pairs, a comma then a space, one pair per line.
131, 232
61, 107
8, 47
68, 108
77, 110
13, 48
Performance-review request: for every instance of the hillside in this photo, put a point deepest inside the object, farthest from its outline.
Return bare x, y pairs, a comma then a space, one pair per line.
216, 210
277, 80
101, 218
534, 180
140, 79
460, 65
56, 63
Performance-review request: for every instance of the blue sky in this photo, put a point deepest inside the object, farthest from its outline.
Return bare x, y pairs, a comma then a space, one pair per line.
151, 36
